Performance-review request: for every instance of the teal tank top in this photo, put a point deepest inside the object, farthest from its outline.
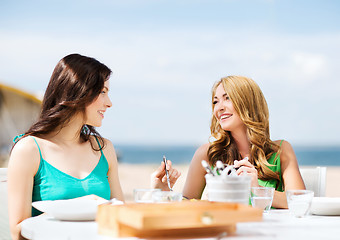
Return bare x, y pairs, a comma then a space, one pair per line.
53, 184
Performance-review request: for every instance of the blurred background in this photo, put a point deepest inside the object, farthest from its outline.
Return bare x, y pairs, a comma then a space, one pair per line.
165, 57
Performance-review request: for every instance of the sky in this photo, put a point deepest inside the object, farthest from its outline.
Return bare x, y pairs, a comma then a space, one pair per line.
166, 55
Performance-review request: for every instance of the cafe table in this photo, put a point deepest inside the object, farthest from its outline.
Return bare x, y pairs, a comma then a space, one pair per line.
277, 224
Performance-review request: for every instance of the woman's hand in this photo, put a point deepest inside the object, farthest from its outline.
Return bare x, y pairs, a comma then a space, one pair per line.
244, 166
158, 177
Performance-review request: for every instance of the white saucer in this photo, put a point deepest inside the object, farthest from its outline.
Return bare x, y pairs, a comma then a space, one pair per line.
326, 206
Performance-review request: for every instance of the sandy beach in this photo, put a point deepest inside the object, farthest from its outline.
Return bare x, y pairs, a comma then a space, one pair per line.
138, 176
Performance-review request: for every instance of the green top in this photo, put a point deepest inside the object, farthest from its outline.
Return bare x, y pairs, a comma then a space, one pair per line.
275, 161
53, 184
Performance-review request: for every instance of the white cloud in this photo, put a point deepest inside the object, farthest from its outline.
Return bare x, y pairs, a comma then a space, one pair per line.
310, 65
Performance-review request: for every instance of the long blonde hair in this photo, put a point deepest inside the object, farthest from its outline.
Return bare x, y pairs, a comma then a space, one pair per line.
251, 106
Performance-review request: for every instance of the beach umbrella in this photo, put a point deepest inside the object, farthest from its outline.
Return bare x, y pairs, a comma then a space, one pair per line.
18, 110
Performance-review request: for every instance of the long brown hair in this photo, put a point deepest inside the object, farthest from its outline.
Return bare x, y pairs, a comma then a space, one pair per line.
75, 83
250, 104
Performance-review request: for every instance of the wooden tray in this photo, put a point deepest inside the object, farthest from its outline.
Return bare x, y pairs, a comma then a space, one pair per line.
181, 219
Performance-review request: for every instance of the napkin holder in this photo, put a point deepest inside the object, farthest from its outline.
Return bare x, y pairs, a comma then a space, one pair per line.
181, 219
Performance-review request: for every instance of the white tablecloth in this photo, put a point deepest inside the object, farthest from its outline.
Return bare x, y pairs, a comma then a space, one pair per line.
277, 224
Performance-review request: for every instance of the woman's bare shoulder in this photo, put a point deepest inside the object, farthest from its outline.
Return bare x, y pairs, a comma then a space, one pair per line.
287, 151
25, 145
108, 146
203, 149
201, 153
25, 153
285, 145
110, 152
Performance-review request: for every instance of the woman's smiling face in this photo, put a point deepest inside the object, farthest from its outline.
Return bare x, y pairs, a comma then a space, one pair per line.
95, 111
224, 111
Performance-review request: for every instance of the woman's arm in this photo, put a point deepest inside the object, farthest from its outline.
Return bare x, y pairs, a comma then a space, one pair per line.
110, 154
289, 169
195, 182
290, 175
23, 165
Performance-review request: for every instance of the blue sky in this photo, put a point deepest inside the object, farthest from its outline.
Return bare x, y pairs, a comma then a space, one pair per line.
166, 55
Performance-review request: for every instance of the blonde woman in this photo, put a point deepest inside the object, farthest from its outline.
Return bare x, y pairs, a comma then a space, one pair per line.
240, 126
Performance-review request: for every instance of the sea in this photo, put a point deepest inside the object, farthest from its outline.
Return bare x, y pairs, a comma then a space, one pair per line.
306, 155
